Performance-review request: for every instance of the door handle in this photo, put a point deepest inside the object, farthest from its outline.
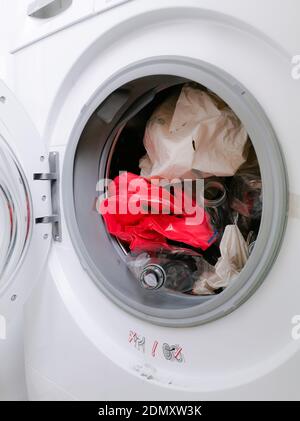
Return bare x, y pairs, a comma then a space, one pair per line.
45, 9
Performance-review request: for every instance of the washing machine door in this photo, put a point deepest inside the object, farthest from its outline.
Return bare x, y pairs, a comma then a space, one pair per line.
25, 201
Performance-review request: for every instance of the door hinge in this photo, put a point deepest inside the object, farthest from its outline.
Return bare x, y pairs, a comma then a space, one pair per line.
53, 178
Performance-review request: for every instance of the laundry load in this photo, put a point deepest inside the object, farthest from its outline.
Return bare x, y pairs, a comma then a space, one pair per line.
234, 255
176, 236
146, 216
193, 135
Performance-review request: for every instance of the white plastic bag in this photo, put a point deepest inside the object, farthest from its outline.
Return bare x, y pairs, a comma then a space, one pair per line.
194, 135
234, 255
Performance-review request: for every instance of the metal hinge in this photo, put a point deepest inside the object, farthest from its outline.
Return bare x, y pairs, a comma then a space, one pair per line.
53, 178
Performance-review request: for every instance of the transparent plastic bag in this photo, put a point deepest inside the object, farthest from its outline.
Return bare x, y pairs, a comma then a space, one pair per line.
193, 136
136, 263
206, 279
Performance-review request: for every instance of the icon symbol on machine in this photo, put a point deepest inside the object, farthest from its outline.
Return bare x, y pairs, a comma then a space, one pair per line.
169, 352
173, 353
138, 341
154, 348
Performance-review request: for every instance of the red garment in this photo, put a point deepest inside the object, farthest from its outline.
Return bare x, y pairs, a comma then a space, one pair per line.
144, 230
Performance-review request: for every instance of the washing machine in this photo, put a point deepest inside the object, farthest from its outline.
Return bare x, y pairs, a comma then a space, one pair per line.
82, 79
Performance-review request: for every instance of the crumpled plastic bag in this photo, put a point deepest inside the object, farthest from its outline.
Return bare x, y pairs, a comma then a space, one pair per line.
234, 255
136, 263
206, 279
143, 230
192, 136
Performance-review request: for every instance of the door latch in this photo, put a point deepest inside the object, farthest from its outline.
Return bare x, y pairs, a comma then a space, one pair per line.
53, 178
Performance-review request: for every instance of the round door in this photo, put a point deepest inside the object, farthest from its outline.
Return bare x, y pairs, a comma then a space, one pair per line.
24, 243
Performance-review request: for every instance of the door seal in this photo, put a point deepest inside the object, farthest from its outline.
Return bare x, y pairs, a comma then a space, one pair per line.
53, 178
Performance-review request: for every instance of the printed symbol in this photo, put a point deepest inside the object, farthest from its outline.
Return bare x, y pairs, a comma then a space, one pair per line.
178, 354
173, 353
138, 341
132, 336
154, 348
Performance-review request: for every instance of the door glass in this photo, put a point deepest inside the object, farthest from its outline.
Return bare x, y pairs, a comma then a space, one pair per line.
14, 213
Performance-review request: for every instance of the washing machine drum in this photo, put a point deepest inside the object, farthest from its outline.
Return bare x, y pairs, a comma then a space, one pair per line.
112, 141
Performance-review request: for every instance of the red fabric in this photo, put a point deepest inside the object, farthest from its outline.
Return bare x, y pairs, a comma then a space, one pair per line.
145, 230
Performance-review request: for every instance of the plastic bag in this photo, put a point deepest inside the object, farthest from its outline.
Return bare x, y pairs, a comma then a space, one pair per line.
136, 263
206, 279
146, 218
193, 136
234, 255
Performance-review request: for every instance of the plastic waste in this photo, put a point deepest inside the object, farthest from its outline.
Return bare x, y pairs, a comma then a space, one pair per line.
167, 269
206, 280
251, 240
193, 136
246, 188
216, 204
234, 255
136, 262
213, 197
245, 195
147, 218
214, 194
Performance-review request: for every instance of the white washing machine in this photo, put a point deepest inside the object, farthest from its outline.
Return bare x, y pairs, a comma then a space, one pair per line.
84, 70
